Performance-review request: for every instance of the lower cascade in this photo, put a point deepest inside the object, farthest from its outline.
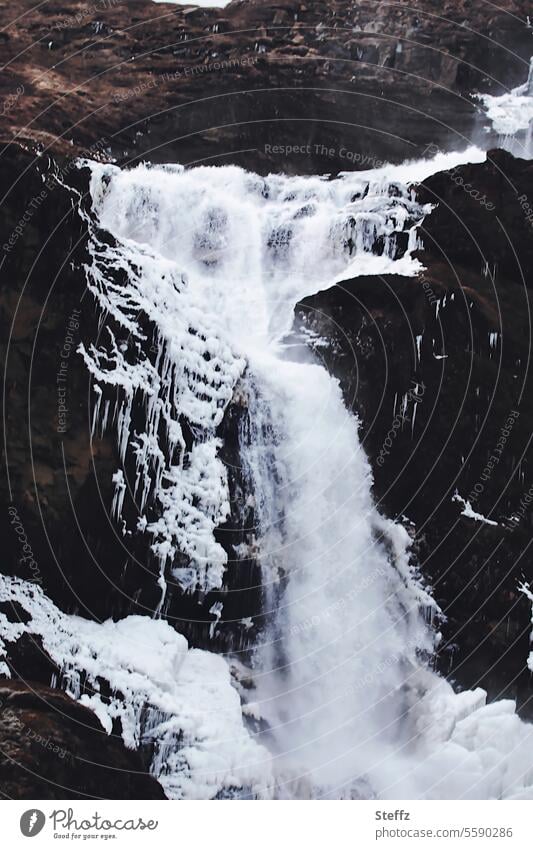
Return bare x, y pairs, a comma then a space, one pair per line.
197, 273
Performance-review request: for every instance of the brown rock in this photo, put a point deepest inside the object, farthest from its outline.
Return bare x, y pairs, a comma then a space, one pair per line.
54, 748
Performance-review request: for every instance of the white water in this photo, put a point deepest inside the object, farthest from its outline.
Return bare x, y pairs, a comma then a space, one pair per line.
347, 628
217, 258
511, 116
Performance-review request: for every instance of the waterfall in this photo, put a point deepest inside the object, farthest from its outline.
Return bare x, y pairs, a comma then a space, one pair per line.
197, 273
215, 259
340, 668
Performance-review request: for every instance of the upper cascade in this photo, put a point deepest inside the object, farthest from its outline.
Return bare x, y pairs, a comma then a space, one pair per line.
216, 259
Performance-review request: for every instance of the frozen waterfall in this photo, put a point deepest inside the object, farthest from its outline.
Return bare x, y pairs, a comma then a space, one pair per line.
343, 702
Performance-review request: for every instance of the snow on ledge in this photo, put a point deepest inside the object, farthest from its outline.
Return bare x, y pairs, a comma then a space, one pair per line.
470, 513
163, 694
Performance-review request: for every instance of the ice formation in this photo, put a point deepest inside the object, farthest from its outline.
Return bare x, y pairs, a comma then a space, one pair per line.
176, 700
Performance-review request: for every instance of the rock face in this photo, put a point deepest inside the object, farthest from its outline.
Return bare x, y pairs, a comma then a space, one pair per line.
57, 493
437, 368
54, 748
292, 86
58, 478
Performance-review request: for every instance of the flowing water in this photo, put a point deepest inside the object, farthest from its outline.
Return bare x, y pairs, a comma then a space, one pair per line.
511, 117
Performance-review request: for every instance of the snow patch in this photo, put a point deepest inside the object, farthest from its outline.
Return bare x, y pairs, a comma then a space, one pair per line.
178, 700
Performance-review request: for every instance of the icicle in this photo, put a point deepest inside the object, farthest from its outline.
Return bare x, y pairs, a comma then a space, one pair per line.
118, 497
525, 590
216, 610
418, 347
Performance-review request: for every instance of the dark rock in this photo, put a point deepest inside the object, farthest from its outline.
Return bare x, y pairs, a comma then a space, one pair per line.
55, 498
479, 216
54, 748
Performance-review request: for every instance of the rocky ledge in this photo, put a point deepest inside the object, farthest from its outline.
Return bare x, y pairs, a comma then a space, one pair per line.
54, 748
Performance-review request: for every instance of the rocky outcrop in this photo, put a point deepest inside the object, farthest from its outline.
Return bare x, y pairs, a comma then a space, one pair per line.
58, 490
54, 748
437, 369
293, 86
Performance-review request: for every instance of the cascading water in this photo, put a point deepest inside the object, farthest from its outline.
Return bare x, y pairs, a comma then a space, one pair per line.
349, 604
344, 702
511, 116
